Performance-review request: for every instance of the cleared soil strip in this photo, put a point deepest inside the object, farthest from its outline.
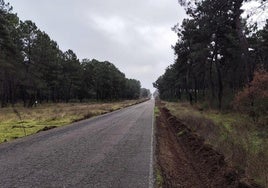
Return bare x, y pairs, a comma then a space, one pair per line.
185, 161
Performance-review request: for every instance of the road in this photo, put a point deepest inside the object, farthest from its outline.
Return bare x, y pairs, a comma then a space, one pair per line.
113, 150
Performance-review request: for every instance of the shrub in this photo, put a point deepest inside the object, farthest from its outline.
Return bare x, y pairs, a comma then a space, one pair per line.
253, 99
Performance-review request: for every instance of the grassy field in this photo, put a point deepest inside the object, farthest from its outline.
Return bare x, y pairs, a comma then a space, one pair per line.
19, 121
243, 141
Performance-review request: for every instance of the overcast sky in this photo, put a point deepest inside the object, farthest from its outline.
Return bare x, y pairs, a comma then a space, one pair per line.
135, 35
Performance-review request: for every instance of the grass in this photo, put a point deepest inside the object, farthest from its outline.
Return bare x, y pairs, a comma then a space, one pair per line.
19, 121
243, 142
158, 175
156, 111
159, 178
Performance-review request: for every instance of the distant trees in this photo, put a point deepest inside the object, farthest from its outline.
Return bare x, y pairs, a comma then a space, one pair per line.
105, 81
216, 53
32, 67
145, 93
132, 89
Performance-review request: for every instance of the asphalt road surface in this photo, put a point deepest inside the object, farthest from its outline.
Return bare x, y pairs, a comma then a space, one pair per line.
113, 150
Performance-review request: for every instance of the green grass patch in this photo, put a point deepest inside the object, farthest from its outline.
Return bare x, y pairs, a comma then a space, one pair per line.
19, 121
159, 178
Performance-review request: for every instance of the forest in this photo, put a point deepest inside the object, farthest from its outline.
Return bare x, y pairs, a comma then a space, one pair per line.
33, 68
220, 59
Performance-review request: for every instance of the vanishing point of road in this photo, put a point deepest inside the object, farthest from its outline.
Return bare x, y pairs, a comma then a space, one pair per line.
112, 150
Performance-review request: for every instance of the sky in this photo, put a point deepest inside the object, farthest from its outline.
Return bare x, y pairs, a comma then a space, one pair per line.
255, 13
134, 35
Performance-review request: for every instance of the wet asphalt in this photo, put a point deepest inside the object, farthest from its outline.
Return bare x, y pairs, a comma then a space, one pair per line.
112, 150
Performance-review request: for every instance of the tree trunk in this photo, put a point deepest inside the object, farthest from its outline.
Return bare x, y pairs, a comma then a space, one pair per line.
195, 90
212, 87
187, 88
243, 41
220, 90
219, 76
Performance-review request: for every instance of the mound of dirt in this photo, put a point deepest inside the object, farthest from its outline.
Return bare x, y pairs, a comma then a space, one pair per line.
186, 161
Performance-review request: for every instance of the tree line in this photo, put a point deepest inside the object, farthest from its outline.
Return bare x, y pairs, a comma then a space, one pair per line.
217, 53
32, 67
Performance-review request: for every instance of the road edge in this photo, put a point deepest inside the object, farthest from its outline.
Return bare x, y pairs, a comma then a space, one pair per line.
152, 154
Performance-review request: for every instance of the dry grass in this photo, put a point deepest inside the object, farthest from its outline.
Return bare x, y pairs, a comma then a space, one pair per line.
243, 143
18, 121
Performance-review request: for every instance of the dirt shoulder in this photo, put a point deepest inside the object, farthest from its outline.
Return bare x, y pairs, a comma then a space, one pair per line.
183, 160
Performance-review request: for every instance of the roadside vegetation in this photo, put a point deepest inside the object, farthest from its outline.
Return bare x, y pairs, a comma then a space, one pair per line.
159, 178
156, 111
243, 141
220, 77
158, 174
16, 122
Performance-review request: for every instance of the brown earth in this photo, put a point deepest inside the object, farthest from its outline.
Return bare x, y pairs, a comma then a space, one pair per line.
186, 161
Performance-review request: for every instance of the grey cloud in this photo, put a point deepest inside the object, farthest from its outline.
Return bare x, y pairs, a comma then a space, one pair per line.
135, 35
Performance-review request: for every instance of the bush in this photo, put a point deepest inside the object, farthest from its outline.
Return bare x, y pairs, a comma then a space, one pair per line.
253, 99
